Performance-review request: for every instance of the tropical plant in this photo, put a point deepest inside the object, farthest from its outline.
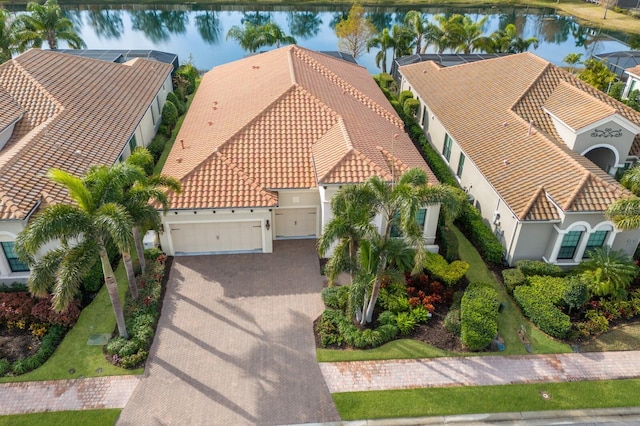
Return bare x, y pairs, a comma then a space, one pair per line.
351, 222
47, 22
354, 32
248, 36
81, 232
465, 35
576, 293
8, 36
597, 74
507, 41
608, 272
384, 42
572, 59
419, 26
273, 34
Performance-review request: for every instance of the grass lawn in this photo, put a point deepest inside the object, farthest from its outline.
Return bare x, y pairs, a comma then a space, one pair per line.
87, 417
486, 399
623, 338
74, 352
510, 319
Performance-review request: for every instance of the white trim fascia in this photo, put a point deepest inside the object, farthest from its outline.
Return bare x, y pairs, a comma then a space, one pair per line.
630, 125
555, 117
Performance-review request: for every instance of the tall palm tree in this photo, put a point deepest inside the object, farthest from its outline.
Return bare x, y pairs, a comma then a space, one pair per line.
46, 22
248, 36
351, 222
8, 36
139, 197
419, 27
507, 41
438, 34
384, 41
403, 40
82, 231
273, 34
465, 35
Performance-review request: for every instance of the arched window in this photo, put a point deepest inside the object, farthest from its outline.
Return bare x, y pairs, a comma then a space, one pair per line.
571, 242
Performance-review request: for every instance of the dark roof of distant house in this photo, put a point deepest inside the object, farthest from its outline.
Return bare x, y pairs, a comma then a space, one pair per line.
619, 61
443, 60
340, 55
121, 56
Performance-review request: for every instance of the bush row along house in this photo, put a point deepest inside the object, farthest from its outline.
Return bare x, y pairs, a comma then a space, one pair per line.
68, 112
535, 148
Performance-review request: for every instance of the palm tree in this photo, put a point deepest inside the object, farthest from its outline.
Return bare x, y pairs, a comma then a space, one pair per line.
419, 26
248, 36
273, 34
82, 231
608, 272
572, 59
351, 223
402, 40
465, 35
384, 41
139, 197
46, 22
625, 213
508, 41
8, 36
438, 34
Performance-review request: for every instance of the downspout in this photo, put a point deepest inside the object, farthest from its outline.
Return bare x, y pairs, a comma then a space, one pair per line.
513, 237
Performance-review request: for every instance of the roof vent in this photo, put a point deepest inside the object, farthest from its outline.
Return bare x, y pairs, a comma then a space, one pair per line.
78, 152
182, 143
505, 124
424, 71
505, 162
210, 123
255, 67
179, 159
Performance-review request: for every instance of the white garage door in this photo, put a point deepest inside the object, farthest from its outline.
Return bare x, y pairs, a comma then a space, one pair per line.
193, 238
299, 223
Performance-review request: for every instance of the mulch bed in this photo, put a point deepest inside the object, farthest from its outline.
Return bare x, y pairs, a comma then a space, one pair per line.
17, 344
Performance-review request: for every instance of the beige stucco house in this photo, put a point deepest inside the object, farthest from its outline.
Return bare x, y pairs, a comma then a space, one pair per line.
268, 141
534, 147
68, 112
633, 81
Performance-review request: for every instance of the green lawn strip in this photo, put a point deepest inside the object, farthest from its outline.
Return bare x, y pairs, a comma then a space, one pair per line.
510, 319
85, 417
623, 338
74, 352
167, 147
396, 349
486, 399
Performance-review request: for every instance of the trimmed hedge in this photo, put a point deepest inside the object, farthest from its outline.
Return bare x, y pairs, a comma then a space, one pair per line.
404, 95
479, 316
472, 225
538, 302
512, 278
538, 267
179, 103
449, 274
410, 107
169, 117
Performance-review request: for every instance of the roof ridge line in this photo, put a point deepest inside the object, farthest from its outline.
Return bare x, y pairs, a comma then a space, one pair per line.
37, 84
350, 89
397, 163
529, 88
292, 71
532, 201
578, 190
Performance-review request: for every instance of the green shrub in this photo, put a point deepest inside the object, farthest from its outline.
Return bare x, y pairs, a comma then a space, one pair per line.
420, 314
479, 316
132, 361
447, 242
403, 96
5, 366
92, 282
449, 274
335, 297
513, 278
538, 267
156, 147
115, 345
190, 74
169, 117
14, 287
327, 328
452, 322
576, 293
385, 80
387, 317
553, 288
471, 223
405, 322
411, 106
179, 103
538, 304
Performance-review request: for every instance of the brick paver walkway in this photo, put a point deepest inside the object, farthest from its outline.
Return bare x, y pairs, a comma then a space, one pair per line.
479, 371
62, 395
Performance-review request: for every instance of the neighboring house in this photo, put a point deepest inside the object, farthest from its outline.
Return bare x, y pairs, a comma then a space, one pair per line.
633, 81
268, 140
121, 56
534, 147
69, 112
618, 62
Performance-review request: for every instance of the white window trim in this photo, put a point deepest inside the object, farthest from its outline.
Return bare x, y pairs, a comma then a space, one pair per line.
587, 231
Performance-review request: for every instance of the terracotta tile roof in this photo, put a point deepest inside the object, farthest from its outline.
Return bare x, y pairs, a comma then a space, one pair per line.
78, 112
490, 120
285, 119
634, 70
581, 111
11, 110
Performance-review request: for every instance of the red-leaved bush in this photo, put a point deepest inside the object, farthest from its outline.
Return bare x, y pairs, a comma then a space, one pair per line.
16, 306
43, 312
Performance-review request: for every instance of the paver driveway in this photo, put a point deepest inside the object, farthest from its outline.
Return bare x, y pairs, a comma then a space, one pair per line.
235, 343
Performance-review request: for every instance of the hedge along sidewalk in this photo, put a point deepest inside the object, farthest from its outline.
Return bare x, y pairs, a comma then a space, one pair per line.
510, 319
74, 353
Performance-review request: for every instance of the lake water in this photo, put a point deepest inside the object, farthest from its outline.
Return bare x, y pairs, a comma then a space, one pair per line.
200, 34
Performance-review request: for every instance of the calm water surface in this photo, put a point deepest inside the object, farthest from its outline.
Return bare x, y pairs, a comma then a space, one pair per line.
201, 34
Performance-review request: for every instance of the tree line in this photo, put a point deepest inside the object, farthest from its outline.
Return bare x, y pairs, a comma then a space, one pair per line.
456, 33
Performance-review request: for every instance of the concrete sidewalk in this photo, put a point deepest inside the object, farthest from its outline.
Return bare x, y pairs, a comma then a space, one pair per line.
62, 395
479, 371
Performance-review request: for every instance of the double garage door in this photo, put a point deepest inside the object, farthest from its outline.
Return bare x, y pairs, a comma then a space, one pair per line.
192, 238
